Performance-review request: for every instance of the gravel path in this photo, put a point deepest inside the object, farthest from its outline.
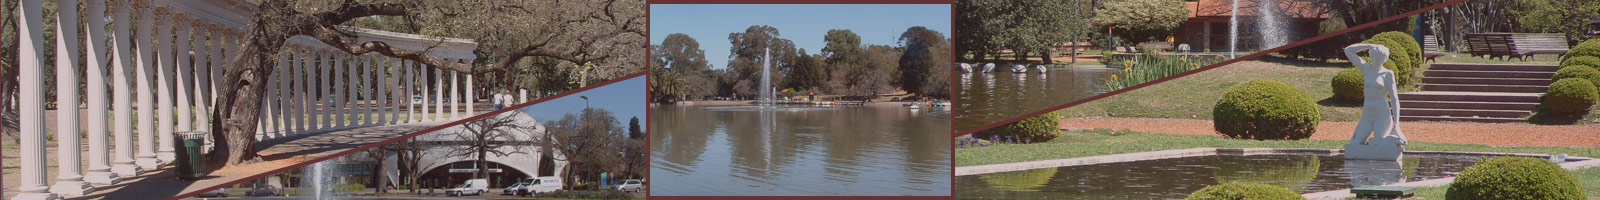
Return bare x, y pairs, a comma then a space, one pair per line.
1497, 134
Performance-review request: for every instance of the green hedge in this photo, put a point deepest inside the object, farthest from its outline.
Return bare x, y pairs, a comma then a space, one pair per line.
1034, 129
1243, 191
1266, 110
1589, 48
1401, 60
1569, 96
1589, 61
1348, 85
1515, 178
1578, 72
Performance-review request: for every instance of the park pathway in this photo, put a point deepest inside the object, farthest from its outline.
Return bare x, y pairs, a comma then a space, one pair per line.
1497, 134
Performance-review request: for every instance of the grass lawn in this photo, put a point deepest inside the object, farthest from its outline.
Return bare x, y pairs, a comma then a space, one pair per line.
1588, 177
1074, 144
1193, 96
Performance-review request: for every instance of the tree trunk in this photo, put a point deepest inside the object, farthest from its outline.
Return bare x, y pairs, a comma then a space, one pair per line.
238, 108
1046, 54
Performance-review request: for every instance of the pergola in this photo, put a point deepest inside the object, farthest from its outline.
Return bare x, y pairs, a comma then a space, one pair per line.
163, 56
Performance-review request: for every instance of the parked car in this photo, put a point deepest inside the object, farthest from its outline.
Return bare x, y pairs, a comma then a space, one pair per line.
534, 186
631, 185
511, 190
416, 100
474, 187
263, 191
50, 105
219, 192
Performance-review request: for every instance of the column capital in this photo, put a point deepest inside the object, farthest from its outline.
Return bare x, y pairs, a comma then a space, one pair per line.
143, 5
215, 31
163, 16
121, 8
180, 21
95, 3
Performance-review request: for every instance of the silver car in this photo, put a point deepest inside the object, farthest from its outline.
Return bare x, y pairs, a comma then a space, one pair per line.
630, 185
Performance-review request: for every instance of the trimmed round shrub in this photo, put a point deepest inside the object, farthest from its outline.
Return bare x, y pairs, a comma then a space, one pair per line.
1588, 61
1589, 48
1568, 96
1266, 110
1400, 61
1515, 178
1348, 85
1242, 191
1034, 129
1406, 43
1578, 72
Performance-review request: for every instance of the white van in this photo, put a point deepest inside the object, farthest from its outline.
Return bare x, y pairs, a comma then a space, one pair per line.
474, 186
533, 186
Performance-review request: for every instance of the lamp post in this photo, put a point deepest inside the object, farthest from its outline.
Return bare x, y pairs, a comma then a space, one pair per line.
585, 101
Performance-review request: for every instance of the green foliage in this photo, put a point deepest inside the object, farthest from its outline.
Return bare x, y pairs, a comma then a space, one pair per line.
924, 69
982, 27
1036, 129
1587, 61
807, 73
1243, 191
1401, 61
1553, 16
1348, 85
1590, 48
1141, 20
1515, 178
1020, 181
1266, 110
1293, 174
1569, 96
1146, 68
1579, 72
353, 187
665, 86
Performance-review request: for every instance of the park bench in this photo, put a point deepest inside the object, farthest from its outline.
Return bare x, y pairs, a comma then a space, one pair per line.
1430, 48
1529, 44
1493, 45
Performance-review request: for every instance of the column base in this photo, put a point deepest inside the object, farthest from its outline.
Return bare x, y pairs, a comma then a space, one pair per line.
101, 178
166, 156
150, 164
36, 196
126, 169
71, 188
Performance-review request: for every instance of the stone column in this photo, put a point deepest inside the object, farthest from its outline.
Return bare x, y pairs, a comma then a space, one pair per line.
147, 80
326, 90
202, 74
99, 162
421, 73
438, 85
297, 91
382, 91
411, 87
275, 96
182, 89
349, 86
339, 96
69, 172
165, 119
30, 80
455, 95
522, 96
123, 102
472, 95
367, 90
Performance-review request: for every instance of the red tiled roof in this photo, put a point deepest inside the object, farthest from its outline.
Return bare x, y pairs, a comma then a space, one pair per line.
1223, 8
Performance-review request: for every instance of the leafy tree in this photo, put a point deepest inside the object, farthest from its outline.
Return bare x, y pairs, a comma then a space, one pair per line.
665, 86
919, 62
871, 83
746, 54
590, 142
1557, 16
1141, 20
806, 73
681, 52
634, 132
843, 50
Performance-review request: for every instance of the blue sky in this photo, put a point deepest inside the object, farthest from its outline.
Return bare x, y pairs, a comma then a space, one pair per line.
625, 98
710, 24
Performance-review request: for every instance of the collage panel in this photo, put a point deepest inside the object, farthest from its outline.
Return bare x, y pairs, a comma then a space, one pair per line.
1445, 102
563, 147
864, 113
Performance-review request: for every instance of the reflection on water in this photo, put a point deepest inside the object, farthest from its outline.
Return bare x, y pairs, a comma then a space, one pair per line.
983, 98
854, 150
1177, 177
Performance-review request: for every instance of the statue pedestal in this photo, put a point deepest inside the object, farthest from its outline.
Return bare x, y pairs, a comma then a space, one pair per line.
1377, 148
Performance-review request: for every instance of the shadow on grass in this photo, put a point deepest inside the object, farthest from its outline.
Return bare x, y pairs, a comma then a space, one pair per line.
1543, 117
1335, 101
1304, 63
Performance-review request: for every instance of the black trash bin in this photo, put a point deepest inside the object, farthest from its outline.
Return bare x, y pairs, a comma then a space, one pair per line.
190, 159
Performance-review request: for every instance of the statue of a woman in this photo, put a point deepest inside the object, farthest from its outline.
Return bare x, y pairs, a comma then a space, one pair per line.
1380, 111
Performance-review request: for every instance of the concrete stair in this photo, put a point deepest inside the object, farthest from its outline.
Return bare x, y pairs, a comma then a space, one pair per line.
1490, 93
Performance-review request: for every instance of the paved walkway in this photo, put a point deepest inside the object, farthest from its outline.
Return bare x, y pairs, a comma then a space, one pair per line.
1498, 134
276, 154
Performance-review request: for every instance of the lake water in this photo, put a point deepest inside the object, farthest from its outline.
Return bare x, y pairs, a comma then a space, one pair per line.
853, 150
1175, 178
984, 98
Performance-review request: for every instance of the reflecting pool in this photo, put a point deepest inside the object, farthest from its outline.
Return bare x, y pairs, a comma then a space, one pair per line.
983, 98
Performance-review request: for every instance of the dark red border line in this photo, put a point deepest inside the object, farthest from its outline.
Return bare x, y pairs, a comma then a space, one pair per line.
1212, 66
409, 135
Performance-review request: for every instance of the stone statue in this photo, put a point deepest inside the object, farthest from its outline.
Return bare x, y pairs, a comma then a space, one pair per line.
1380, 111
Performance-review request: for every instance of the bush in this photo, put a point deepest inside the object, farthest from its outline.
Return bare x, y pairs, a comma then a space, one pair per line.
1401, 58
1589, 48
1238, 190
1266, 110
353, 187
1568, 96
1514, 178
1034, 129
1348, 85
589, 194
1589, 61
1407, 44
1579, 72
